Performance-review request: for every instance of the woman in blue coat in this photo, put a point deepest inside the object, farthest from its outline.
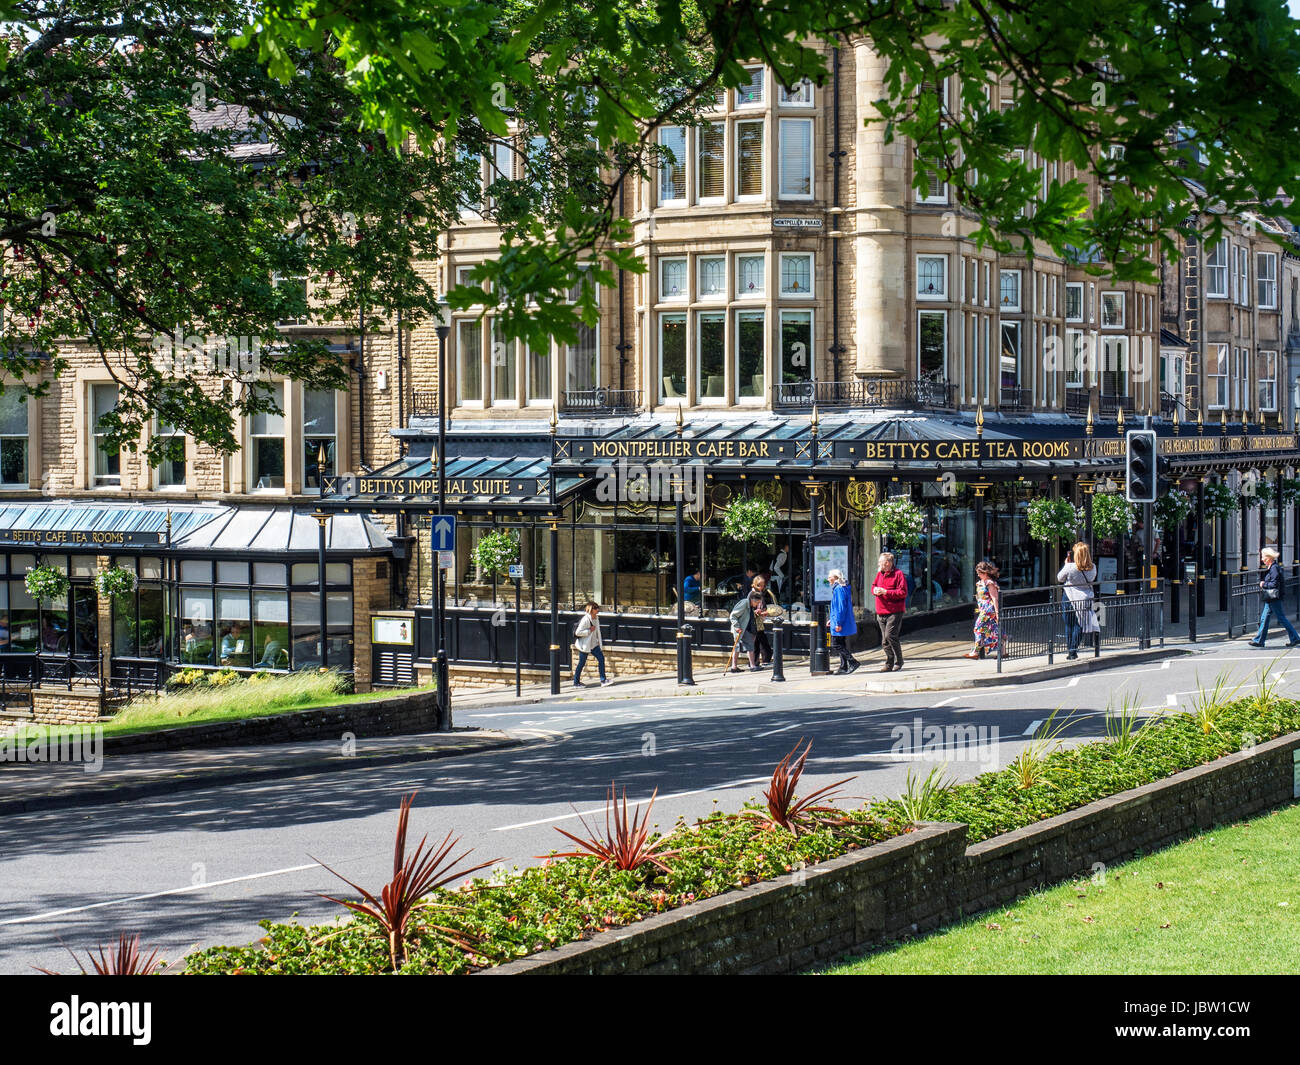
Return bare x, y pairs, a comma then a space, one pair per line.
842, 624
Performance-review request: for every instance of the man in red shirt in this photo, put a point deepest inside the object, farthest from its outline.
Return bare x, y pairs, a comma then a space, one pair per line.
890, 590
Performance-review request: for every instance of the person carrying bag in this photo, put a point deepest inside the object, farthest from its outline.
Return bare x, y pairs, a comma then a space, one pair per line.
586, 637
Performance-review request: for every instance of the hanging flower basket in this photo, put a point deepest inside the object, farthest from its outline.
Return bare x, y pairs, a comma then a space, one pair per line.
900, 520
45, 583
1220, 500
749, 519
115, 582
1112, 515
1261, 494
1290, 489
496, 552
1053, 520
1172, 508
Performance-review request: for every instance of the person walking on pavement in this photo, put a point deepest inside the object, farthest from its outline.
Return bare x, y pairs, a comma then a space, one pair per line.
890, 590
771, 610
987, 633
1078, 575
744, 630
1271, 591
587, 640
842, 622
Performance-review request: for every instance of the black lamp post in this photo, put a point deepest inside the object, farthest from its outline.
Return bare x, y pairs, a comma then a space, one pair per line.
440, 462
321, 519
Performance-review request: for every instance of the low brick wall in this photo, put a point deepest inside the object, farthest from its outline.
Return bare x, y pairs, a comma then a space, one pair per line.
413, 712
925, 879
66, 706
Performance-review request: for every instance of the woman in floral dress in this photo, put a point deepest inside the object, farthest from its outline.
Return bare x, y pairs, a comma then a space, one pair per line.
986, 611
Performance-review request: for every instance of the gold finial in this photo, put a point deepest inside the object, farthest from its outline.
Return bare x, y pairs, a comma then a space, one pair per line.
1295, 424
680, 421
1223, 421
1087, 425
1200, 420
1245, 422
816, 420
1175, 419
979, 420
555, 421
320, 457
1119, 420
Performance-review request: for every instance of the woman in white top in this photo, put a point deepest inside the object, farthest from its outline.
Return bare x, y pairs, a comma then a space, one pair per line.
1078, 576
586, 638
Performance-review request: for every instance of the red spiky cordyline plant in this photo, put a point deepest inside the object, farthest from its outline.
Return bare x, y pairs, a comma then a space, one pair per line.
413, 878
625, 843
784, 807
125, 959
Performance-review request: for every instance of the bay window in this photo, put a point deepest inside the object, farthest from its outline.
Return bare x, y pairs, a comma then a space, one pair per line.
796, 346
750, 343
672, 357
932, 346
711, 358
932, 277
672, 279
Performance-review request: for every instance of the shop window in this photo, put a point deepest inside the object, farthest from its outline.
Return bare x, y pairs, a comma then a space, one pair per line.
319, 436
305, 649
196, 642
107, 458
304, 573
267, 434
270, 630
234, 628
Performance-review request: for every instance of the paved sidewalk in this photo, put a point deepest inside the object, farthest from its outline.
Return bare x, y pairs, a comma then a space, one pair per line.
28, 786
933, 661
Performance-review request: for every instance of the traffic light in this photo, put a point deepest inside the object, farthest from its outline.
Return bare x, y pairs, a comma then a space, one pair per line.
1140, 466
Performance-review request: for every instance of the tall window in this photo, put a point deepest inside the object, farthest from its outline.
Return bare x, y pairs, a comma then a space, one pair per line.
711, 159
750, 340
584, 364
1114, 366
539, 375
711, 328
796, 346
1009, 356
1216, 270
749, 159
672, 165
108, 460
469, 361
932, 277
292, 291
796, 144
672, 357
1243, 379
1267, 373
13, 439
1009, 290
750, 271
505, 366
266, 431
1266, 280
1243, 269
932, 346
319, 436
1075, 348
171, 470
1073, 301
1216, 375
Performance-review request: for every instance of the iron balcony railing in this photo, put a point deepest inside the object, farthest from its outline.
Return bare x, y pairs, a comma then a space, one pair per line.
1078, 400
1014, 397
865, 392
601, 401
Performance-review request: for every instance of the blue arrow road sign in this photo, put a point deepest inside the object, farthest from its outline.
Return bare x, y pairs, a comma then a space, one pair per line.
444, 533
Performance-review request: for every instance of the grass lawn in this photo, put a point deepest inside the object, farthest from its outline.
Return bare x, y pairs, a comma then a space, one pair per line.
243, 699
1224, 902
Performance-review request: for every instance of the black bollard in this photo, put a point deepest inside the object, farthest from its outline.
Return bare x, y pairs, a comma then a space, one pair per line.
688, 676
778, 666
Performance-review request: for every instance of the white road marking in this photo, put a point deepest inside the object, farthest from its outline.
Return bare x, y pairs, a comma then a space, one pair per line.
1073, 682
773, 732
659, 798
945, 702
1033, 727
159, 894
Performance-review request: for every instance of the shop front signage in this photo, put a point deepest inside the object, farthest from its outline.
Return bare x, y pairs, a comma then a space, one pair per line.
77, 539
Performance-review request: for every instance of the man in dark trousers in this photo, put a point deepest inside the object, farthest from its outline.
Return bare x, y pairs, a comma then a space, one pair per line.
890, 590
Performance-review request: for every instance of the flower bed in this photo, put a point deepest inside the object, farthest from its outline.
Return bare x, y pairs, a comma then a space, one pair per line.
512, 915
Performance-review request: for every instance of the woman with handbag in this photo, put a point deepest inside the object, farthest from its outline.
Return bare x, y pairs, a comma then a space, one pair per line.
987, 633
586, 637
1271, 590
1078, 576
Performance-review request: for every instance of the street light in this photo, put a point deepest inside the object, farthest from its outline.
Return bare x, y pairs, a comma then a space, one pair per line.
443, 694
321, 518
